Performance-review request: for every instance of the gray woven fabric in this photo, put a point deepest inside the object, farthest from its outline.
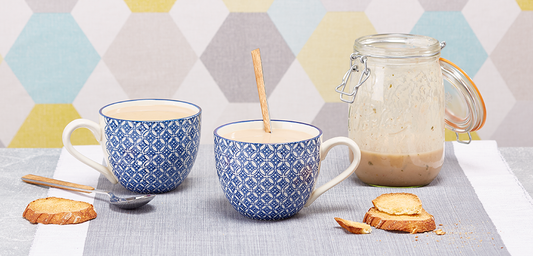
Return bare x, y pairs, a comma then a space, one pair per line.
518, 160
196, 219
17, 233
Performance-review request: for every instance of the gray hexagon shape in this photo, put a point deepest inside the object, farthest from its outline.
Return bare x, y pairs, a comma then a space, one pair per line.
449, 5
150, 57
228, 56
51, 6
512, 57
332, 119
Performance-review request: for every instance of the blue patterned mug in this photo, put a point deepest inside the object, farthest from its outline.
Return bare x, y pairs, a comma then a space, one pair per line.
149, 145
271, 181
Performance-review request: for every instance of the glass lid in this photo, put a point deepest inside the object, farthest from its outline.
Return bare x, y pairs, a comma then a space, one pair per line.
465, 108
397, 46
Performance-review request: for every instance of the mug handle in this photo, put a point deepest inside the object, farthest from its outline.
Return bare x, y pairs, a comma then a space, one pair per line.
95, 129
324, 149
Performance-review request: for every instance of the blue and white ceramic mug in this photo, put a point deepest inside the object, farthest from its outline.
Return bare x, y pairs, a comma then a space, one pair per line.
271, 181
144, 155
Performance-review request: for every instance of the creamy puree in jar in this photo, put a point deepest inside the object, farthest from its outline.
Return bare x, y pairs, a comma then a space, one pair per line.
397, 119
399, 170
400, 106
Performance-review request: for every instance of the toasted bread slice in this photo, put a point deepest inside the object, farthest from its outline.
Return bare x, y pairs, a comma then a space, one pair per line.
54, 210
415, 223
398, 203
354, 227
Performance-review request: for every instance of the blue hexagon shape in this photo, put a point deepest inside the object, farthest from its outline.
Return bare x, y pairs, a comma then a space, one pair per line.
462, 46
52, 58
296, 20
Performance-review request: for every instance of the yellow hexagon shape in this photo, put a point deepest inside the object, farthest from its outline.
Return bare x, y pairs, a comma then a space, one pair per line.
326, 55
525, 5
150, 5
43, 128
248, 6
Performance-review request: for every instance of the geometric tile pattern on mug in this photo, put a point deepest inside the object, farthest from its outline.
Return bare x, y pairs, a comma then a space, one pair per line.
267, 181
152, 157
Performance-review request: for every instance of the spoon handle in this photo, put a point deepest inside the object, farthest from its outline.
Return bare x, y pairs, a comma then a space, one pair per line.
39, 180
258, 69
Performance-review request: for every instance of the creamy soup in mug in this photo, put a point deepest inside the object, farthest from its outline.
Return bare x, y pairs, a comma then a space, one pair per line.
260, 136
150, 112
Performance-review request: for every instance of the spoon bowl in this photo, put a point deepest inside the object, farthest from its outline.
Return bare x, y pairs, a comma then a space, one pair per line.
124, 203
129, 202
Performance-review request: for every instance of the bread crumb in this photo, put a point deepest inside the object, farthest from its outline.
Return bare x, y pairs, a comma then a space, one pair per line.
354, 227
439, 232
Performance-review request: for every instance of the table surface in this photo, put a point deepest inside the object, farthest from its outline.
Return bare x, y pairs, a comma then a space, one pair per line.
17, 235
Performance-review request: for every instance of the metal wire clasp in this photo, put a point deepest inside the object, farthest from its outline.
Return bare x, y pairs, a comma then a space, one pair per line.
461, 141
353, 68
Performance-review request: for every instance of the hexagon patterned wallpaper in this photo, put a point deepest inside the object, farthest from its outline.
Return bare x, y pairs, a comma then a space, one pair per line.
63, 59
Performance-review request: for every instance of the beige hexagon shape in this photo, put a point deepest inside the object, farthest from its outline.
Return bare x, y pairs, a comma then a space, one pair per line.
326, 55
150, 57
345, 5
512, 57
247, 5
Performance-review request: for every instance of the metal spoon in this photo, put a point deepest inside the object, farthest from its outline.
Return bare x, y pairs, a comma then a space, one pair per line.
124, 203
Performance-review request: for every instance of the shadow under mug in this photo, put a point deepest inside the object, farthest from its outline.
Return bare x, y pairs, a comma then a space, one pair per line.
271, 181
144, 156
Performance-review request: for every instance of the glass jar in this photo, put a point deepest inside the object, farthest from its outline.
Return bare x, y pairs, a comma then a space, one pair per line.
400, 106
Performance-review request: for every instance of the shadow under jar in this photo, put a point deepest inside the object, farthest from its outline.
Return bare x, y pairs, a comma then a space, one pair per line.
399, 107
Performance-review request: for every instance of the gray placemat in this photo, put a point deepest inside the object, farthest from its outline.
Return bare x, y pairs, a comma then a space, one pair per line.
16, 233
196, 219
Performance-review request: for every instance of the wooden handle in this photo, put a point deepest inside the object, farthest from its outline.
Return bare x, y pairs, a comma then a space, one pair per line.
34, 179
258, 68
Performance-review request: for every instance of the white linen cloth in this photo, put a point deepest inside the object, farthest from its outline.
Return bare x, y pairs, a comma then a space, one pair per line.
68, 239
507, 203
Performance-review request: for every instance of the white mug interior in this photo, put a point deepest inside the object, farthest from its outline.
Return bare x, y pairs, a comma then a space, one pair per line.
149, 102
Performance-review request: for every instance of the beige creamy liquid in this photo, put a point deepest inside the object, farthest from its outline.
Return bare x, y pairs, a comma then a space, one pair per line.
260, 136
399, 170
150, 113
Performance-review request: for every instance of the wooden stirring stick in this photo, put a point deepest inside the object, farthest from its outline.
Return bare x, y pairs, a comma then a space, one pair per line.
258, 68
